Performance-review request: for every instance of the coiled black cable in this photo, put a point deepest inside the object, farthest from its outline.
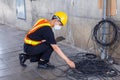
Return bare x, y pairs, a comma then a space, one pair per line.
98, 27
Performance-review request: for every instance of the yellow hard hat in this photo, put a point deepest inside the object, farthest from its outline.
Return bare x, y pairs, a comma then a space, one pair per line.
63, 17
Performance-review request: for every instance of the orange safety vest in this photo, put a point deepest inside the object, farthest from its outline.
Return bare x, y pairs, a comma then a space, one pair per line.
40, 23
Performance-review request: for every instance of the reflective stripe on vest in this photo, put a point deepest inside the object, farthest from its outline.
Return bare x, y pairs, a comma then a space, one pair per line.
39, 24
31, 42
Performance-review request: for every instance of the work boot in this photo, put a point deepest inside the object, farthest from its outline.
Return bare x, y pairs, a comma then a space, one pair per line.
45, 65
23, 57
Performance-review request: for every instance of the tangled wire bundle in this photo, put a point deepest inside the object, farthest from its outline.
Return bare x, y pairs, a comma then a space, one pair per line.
95, 67
90, 65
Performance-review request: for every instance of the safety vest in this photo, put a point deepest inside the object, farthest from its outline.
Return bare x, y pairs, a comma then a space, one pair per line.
39, 24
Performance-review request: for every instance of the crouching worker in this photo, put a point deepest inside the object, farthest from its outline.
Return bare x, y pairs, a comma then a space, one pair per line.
39, 42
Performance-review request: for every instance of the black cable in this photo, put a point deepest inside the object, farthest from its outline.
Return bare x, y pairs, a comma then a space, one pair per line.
72, 74
97, 28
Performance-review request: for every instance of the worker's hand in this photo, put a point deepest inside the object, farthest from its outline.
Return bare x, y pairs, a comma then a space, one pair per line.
71, 64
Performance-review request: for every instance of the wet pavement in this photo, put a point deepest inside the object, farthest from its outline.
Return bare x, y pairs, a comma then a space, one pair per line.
11, 45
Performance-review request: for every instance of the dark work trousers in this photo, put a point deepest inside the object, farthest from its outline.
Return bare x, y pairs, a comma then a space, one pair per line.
41, 51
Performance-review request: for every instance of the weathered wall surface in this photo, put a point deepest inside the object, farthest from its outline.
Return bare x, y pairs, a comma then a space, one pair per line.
8, 14
83, 16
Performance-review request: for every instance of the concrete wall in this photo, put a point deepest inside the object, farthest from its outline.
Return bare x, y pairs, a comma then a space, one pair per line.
83, 16
80, 12
8, 14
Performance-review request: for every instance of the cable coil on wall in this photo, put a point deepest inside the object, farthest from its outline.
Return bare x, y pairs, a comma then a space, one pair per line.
97, 36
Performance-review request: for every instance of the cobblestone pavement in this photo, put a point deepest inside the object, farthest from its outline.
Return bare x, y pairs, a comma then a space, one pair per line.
11, 44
